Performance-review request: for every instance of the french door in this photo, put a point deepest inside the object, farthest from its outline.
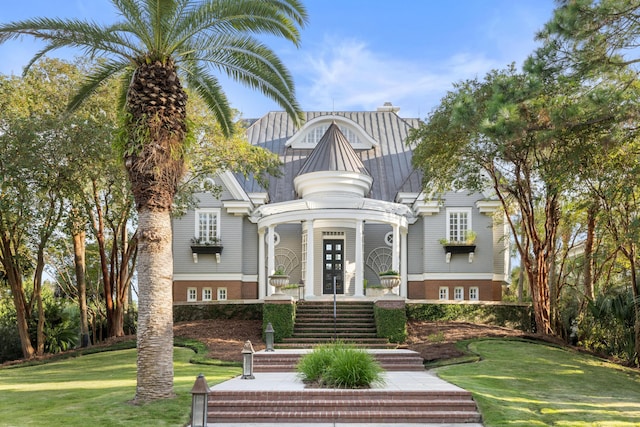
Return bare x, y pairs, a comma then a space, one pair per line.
333, 263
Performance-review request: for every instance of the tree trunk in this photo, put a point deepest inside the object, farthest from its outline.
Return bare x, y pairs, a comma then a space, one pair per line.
37, 295
79, 241
588, 254
155, 312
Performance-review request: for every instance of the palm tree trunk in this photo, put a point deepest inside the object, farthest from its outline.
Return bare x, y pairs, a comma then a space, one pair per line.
155, 315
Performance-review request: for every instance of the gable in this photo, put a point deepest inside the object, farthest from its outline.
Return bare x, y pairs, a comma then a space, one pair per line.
310, 134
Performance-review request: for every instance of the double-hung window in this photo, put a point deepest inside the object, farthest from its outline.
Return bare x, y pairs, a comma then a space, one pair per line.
207, 225
458, 224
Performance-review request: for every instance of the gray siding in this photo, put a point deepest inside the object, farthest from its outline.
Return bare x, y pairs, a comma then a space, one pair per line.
435, 227
415, 252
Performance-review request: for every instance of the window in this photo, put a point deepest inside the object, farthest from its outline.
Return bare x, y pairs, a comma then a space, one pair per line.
207, 229
474, 293
222, 294
458, 293
314, 135
206, 294
443, 293
458, 223
192, 294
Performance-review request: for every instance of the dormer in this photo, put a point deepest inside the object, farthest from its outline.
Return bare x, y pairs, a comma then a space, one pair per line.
311, 133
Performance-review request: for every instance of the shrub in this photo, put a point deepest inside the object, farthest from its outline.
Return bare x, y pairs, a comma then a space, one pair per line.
313, 365
282, 318
391, 323
340, 366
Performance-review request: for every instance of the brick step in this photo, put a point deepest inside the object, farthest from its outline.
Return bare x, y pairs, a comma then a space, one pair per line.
348, 326
339, 405
342, 336
384, 344
287, 362
418, 405
315, 340
346, 416
326, 317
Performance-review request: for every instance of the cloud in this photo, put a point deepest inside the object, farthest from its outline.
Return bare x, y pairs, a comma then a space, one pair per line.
349, 75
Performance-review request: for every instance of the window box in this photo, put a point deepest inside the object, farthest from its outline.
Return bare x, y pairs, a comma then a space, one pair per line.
459, 249
206, 249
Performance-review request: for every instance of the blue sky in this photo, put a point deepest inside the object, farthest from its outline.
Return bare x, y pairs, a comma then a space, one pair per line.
357, 54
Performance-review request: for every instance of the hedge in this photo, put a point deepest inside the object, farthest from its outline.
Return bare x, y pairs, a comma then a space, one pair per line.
391, 323
282, 317
242, 311
516, 316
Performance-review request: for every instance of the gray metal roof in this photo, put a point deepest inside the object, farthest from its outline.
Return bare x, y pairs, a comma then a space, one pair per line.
333, 153
389, 162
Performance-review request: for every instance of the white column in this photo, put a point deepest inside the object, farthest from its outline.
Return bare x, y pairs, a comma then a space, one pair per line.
308, 281
395, 250
359, 288
403, 264
271, 260
262, 282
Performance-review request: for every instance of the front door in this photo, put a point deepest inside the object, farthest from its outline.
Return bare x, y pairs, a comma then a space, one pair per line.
332, 266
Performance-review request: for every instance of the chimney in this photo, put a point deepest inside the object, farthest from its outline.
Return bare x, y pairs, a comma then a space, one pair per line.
388, 107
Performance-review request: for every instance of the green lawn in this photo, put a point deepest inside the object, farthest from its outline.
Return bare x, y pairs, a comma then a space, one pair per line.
95, 390
517, 383
520, 383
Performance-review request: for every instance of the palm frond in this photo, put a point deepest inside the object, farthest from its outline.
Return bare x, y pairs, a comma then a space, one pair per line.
103, 72
209, 89
255, 65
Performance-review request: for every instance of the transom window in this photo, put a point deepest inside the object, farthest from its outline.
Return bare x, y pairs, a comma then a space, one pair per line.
207, 227
458, 224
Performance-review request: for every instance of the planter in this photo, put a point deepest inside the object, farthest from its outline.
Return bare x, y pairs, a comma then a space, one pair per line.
459, 249
389, 282
278, 281
206, 249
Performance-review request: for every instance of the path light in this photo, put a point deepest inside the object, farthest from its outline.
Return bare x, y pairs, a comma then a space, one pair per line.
199, 402
247, 361
268, 336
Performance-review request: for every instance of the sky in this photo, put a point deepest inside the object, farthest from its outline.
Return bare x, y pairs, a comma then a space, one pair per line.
355, 55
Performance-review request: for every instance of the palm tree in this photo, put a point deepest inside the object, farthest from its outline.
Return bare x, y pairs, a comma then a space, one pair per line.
156, 47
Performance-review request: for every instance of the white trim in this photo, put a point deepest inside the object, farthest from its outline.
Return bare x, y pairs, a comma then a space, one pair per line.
238, 207
455, 291
189, 292
477, 290
210, 298
488, 206
233, 186
446, 289
218, 294
458, 210
333, 183
189, 277
452, 276
198, 211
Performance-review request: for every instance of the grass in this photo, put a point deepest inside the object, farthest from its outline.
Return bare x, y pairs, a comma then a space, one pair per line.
95, 390
520, 383
516, 383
